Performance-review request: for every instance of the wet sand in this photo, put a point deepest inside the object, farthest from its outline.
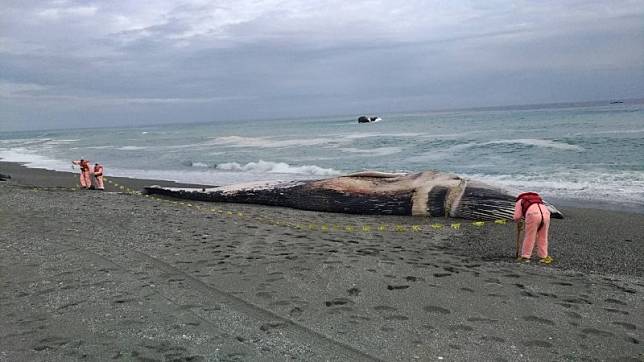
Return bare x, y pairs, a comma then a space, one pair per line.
108, 275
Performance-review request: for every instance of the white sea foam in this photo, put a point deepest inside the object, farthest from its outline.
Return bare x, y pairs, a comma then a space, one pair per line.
617, 131
131, 148
61, 142
444, 153
379, 151
277, 167
267, 142
33, 160
599, 185
374, 134
200, 176
25, 142
199, 164
537, 143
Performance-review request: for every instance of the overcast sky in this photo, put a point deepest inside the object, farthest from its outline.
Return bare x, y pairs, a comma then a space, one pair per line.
100, 63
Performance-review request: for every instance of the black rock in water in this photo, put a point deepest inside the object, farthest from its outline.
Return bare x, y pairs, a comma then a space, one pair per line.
366, 119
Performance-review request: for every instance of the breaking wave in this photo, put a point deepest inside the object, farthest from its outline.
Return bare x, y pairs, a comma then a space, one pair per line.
537, 143
624, 187
131, 148
267, 142
277, 167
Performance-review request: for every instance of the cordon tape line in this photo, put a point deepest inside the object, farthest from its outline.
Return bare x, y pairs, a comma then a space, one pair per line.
314, 226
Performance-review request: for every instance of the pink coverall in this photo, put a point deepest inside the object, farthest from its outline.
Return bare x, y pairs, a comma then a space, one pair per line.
98, 176
85, 179
532, 232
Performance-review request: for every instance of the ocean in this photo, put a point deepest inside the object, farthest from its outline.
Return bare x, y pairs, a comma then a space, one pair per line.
591, 153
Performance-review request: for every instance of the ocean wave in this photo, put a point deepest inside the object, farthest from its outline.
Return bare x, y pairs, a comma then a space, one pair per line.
33, 160
61, 142
267, 142
378, 151
596, 185
25, 142
131, 148
449, 151
536, 142
370, 135
277, 167
197, 164
618, 131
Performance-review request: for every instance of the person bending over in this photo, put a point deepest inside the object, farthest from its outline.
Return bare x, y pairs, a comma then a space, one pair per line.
530, 207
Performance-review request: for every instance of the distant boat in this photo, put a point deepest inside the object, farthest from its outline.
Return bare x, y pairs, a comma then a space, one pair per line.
369, 119
616, 102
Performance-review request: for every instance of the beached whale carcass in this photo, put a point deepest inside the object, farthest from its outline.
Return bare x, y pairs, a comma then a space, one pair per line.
428, 193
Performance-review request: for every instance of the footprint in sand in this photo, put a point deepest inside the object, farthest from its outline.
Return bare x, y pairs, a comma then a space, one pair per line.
632, 340
353, 292
617, 311
441, 275
596, 332
436, 309
397, 287
512, 275
493, 281
461, 327
565, 284
51, 342
295, 312
572, 314
629, 326
338, 301
614, 301
268, 326
577, 300
539, 320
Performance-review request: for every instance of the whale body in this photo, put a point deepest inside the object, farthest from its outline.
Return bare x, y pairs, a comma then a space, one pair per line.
429, 193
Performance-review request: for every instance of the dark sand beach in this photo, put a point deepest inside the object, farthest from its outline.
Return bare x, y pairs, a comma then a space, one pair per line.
90, 275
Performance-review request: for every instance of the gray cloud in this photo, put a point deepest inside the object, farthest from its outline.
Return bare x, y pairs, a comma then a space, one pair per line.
69, 63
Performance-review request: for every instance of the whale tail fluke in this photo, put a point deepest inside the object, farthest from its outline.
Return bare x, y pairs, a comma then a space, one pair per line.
554, 213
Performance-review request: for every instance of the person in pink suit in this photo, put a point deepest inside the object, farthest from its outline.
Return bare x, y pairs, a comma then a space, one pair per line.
85, 179
530, 206
98, 176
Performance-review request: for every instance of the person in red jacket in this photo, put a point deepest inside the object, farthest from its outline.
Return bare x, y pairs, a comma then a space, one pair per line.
530, 206
98, 176
85, 180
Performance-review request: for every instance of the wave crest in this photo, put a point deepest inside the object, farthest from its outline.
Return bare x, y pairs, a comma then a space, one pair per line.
277, 167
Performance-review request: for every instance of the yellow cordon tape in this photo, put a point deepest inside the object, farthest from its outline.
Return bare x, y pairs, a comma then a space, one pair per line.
323, 227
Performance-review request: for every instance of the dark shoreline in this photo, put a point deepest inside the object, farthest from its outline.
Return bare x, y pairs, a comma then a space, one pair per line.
39, 177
